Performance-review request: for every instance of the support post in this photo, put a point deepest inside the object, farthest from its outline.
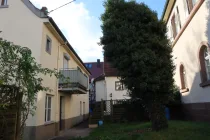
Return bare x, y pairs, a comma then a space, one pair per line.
102, 109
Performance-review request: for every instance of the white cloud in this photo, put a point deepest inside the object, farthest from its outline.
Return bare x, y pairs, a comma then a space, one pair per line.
80, 28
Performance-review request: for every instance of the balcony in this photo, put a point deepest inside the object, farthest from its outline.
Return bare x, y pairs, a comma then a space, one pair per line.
77, 83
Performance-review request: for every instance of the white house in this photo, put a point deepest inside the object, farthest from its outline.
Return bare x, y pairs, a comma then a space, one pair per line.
108, 85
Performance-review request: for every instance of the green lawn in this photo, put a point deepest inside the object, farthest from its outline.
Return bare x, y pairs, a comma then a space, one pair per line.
178, 130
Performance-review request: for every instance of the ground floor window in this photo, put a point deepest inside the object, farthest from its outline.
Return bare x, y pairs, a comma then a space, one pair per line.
119, 85
48, 108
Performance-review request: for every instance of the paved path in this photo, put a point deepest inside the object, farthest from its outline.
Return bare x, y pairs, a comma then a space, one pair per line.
81, 130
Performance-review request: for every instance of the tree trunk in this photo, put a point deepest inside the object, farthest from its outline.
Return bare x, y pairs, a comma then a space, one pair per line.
158, 118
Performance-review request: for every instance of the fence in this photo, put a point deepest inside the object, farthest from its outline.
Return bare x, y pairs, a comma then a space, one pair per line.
10, 100
118, 111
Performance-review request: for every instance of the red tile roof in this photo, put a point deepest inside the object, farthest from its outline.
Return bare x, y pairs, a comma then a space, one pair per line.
108, 69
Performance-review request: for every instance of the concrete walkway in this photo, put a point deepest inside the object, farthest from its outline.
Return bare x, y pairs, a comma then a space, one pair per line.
81, 130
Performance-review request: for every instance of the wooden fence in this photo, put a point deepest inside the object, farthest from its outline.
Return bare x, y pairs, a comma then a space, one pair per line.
10, 102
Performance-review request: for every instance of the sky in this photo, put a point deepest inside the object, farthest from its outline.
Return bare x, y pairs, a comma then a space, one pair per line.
80, 23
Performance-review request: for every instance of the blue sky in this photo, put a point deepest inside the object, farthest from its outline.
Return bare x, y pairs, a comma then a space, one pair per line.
80, 23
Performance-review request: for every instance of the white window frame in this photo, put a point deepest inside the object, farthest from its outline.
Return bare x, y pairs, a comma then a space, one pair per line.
65, 63
48, 108
177, 21
186, 10
207, 62
119, 84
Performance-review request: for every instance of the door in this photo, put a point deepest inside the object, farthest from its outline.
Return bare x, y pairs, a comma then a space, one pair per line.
83, 110
62, 113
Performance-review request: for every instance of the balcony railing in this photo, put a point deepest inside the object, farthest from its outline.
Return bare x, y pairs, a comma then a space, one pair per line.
77, 80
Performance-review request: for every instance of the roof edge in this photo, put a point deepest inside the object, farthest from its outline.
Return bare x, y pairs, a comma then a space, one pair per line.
65, 40
35, 10
168, 6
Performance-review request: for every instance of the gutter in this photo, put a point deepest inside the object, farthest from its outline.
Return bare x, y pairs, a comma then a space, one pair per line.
164, 10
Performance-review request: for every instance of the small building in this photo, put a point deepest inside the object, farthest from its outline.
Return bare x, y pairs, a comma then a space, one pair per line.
108, 85
67, 104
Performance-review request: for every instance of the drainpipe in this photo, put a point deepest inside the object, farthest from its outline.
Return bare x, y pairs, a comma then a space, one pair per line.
56, 95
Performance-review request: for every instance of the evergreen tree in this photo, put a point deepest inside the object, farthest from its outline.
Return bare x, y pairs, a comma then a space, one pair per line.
135, 42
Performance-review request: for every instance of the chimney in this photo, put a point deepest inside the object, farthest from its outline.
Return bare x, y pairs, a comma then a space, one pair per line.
98, 63
45, 10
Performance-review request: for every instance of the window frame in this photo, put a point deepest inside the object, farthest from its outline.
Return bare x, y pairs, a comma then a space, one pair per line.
80, 108
50, 45
3, 3
203, 73
173, 24
116, 82
183, 79
47, 108
67, 61
190, 5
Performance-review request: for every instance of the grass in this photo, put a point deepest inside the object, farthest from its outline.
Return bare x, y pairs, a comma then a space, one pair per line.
178, 130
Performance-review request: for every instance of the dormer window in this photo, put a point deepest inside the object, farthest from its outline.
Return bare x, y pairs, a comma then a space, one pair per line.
3, 2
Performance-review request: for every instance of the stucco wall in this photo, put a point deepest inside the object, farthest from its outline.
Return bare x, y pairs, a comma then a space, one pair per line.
186, 52
100, 90
110, 88
55, 60
20, 26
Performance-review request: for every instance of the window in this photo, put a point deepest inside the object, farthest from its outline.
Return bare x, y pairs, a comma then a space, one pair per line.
176, 23
179, 26
65, 63
48, 108
79, 69
80, 108
48, 45
88, 66
183, 77
191, 4
204, 57
119, 85
207, 62
83, 108
173, 24
3, 2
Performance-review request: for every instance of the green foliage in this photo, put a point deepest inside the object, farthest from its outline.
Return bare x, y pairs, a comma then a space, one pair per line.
19, 68
135, 43
178, 130
175, 97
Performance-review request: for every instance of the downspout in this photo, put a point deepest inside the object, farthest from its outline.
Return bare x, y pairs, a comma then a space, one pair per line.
57, 97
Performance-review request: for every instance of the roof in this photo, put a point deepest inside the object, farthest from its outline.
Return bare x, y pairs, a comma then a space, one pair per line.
94, 69
168, 9
109, 70
100, 78
41, 14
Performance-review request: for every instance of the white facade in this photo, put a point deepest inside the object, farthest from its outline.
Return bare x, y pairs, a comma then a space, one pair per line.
195, 29
106, 90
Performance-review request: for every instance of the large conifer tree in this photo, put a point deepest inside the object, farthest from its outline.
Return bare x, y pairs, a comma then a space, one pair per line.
135, 43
